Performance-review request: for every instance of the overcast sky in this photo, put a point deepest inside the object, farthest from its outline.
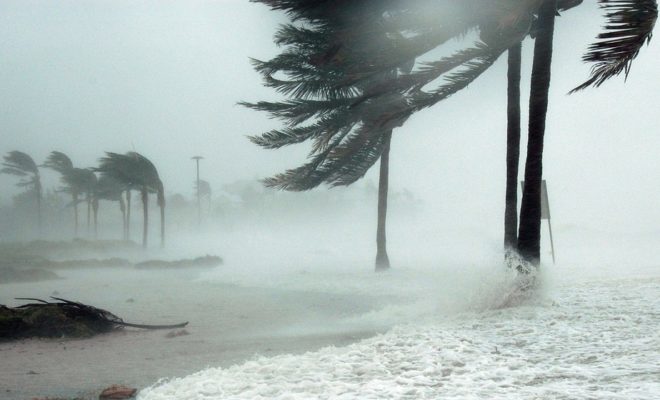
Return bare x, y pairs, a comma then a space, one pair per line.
163, 78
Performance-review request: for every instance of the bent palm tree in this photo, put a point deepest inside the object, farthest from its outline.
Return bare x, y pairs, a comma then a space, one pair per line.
22, 165
331, 59
134, 171
75, 181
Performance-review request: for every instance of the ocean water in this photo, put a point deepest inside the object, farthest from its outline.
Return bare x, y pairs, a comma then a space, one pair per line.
584, 334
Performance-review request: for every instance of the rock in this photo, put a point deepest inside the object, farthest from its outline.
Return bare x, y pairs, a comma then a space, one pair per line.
117, 392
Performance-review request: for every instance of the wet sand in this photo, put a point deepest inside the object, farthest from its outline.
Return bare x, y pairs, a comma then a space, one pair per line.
228, 324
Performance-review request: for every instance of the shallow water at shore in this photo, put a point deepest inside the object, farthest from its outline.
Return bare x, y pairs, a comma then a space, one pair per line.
227, 324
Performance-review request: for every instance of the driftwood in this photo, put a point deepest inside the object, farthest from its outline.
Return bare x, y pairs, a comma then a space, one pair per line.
62, 318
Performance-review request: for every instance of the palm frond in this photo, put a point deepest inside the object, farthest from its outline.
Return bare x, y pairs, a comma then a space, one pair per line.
58, 161
22, 165
629, 26
16, 161
460, 79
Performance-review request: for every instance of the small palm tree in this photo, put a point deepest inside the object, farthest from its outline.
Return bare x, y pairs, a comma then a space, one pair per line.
22, 165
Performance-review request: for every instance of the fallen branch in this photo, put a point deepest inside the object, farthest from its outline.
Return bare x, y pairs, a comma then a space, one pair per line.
62, 318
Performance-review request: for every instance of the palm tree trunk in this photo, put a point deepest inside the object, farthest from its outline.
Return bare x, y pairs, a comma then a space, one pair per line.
128, 215
122, 208
145, 209
529, 234
162, 225
512, 148
382, 260
75, 215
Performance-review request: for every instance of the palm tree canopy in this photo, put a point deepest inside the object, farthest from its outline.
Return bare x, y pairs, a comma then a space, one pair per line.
351, 71
59, 162
74, 180
22, 165
133, 171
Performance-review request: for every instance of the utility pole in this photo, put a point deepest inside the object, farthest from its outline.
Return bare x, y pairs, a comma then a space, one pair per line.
199, 201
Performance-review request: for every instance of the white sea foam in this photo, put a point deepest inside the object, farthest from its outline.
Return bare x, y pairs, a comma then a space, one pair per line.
586, 339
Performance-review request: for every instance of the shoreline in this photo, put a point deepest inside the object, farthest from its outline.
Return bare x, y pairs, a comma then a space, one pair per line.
229, 324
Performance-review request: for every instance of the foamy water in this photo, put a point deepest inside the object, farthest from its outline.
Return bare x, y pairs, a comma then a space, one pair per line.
582, 338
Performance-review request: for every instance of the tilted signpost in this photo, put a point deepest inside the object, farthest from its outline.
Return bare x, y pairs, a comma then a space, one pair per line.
545, 213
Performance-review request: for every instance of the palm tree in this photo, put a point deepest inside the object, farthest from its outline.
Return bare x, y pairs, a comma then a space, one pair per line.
529, 233
332, 56
354, 118
630, 26
22, 165
76, 181
135, 172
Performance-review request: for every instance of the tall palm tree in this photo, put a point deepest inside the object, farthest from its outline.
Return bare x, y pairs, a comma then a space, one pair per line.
332, 55
136, 172
630, 26
22, 165
529, 233
353, 121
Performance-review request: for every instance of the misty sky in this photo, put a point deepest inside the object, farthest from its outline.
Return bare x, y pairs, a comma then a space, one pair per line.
163, 78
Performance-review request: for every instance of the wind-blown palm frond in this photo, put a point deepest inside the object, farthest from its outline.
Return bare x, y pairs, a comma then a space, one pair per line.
132, 170
351, 73
629, 26
294, 112
345, 159
58, 161
19, 164
22, 165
